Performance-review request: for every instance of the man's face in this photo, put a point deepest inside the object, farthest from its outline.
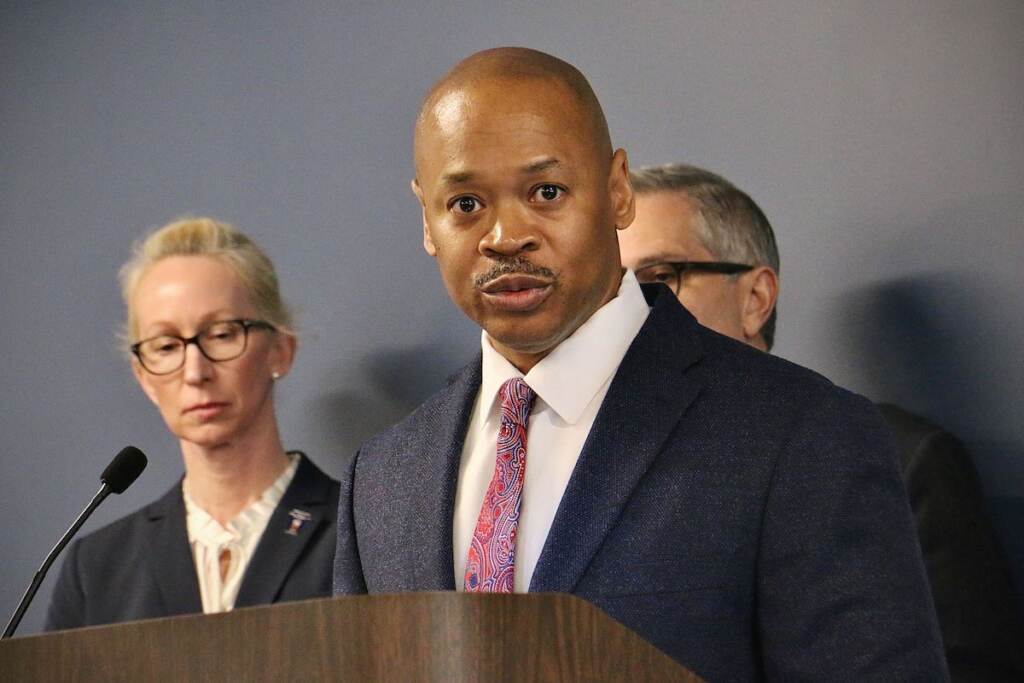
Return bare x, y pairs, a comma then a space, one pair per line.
520, 210
665, 230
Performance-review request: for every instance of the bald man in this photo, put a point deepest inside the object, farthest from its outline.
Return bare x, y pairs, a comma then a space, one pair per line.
713, 246
741, 513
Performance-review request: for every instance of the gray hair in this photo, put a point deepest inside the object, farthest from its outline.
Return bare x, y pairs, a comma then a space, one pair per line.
730, 224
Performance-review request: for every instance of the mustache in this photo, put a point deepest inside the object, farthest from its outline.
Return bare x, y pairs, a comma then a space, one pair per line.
517, 265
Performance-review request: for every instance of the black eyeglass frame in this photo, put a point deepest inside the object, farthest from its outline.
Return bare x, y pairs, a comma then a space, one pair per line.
246, 323
680, 268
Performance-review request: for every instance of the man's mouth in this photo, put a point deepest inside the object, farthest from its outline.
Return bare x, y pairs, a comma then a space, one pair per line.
517, 293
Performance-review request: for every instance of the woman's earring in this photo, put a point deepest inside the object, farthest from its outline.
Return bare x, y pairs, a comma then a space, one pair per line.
275, 375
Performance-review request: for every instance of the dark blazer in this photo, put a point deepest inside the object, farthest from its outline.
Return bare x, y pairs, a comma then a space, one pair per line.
740, 512
973, 592
141, 566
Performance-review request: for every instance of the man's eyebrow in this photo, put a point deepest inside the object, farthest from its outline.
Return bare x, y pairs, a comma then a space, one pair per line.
541, 165
461, 177
457, 177
660, 257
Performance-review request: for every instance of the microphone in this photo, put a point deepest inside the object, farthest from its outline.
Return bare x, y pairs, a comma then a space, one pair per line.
122, 471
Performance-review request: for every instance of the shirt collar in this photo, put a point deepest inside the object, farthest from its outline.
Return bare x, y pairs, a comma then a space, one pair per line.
569, 377
203, 527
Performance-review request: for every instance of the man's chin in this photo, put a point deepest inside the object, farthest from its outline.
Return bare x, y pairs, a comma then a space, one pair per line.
523, 341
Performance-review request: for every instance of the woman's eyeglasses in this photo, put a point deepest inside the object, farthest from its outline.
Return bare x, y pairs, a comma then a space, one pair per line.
218, 341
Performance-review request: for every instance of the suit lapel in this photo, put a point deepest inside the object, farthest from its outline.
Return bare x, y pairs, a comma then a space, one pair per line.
416, 535
651, 390
292, 526
170, 557
443, 457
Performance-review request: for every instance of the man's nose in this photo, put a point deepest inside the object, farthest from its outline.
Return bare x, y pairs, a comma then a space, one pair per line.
512, 232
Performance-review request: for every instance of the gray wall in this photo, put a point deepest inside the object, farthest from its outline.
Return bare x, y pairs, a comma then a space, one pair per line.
884, 140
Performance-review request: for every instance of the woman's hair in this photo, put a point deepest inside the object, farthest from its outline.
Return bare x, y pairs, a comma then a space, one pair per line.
208, 237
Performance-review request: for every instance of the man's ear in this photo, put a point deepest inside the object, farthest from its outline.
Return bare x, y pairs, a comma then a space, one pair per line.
621, 191
428, 242
144, 379
760, 296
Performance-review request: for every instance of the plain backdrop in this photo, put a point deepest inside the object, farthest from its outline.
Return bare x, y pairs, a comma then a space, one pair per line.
885, 141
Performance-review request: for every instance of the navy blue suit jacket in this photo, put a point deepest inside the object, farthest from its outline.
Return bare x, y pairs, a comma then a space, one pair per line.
141, 567
738, 511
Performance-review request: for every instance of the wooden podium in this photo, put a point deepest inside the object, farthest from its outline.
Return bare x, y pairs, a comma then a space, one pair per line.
407, 637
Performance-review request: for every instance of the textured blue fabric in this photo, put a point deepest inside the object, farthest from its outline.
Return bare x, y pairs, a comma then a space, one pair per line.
738, 511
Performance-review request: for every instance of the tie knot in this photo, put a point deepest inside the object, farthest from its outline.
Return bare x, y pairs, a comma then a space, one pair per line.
517, 396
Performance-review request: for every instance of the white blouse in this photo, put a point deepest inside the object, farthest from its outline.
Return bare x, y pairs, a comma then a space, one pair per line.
239, 539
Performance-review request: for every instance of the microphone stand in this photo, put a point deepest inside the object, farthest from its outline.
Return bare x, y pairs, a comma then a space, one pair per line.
38, 578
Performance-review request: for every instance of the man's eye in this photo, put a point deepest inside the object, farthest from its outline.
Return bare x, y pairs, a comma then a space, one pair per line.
465, 205
656, 274
547, 193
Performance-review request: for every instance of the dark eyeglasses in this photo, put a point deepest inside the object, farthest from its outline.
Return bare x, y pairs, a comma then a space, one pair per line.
218, 341
673, 273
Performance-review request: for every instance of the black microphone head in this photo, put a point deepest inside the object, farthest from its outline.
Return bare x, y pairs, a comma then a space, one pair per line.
124, 469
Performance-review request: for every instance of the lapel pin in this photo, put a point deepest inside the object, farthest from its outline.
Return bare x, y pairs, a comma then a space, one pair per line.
299, 517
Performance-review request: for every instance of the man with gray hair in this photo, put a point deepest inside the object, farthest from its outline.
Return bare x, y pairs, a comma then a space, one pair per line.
713, 246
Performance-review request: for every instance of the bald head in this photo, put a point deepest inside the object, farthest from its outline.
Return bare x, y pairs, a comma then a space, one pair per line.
453, 95
522, 197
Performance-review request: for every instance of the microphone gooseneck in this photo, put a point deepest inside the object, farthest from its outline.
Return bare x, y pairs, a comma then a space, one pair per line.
122, 471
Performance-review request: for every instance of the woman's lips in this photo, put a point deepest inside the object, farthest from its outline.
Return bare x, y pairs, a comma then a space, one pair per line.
206, 411
516, 293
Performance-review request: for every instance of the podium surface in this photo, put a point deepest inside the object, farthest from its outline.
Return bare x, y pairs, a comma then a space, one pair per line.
404, 637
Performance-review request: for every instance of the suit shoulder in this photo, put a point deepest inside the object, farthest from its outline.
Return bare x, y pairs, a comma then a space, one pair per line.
316, 477
426, 418
929, 453
101, 563
757, 373
116, 536
908, 426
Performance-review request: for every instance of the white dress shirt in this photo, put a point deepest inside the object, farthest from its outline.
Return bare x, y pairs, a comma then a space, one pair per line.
570, 384
209, 539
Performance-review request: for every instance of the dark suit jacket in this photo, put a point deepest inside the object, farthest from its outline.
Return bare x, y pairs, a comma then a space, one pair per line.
141, 566
973, 592
741, 513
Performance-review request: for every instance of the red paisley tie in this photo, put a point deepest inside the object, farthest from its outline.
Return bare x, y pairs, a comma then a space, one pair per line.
491, 567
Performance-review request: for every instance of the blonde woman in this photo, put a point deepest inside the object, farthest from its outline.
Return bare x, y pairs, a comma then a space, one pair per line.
249, 523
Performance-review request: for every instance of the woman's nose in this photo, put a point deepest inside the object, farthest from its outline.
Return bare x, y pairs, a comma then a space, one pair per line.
197, 368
